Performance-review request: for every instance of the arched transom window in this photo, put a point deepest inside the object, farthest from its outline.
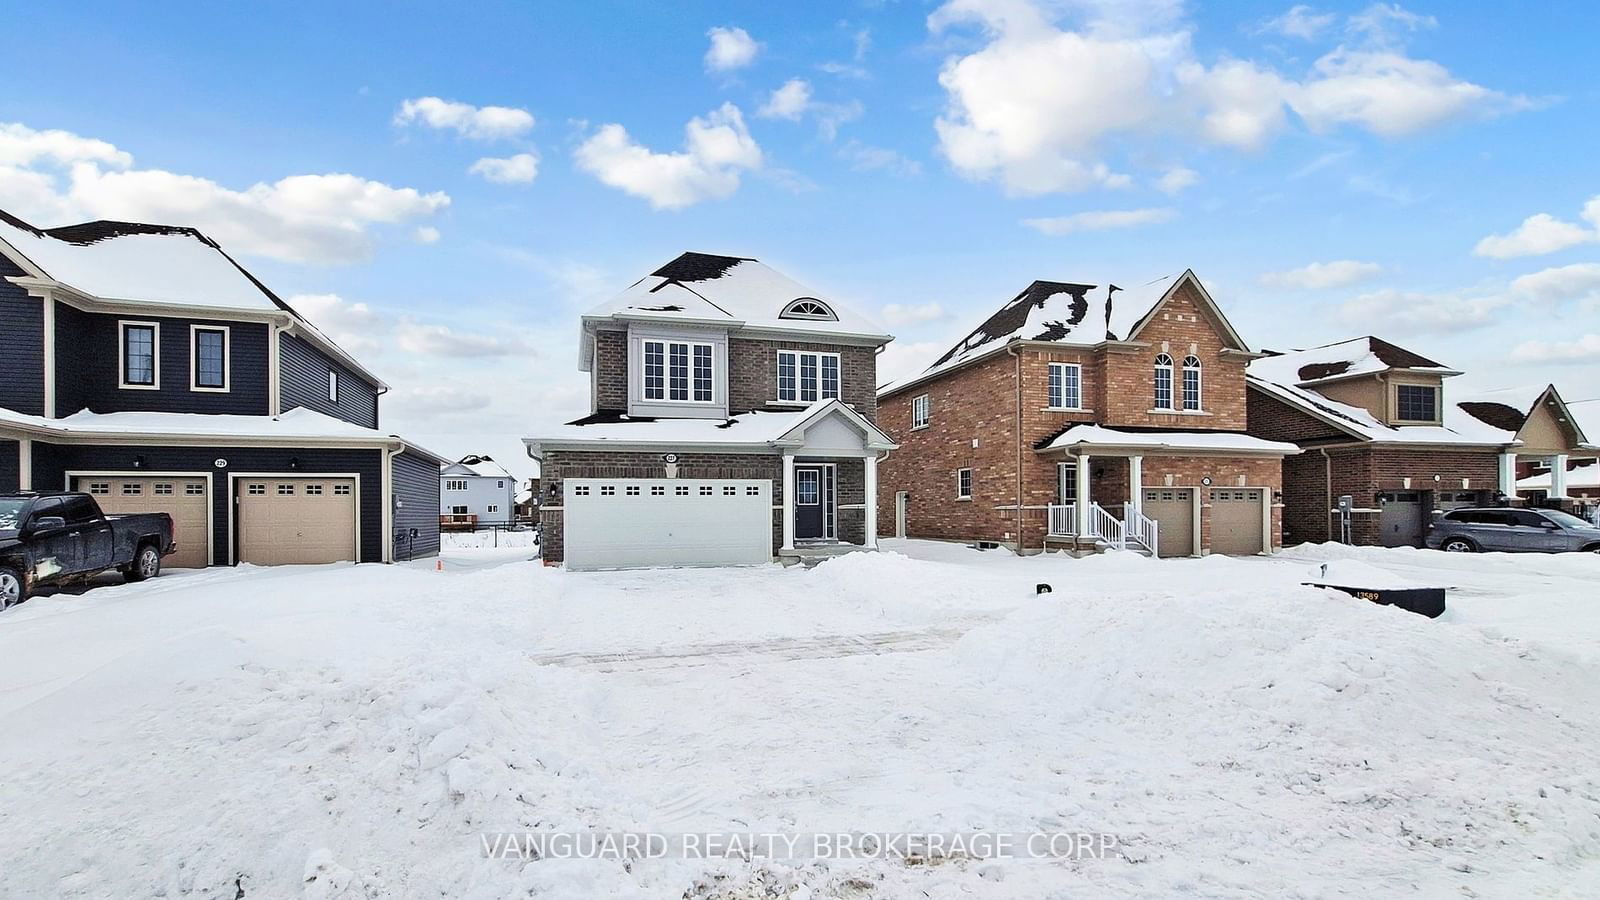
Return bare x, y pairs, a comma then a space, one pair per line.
1191, 382
808, 308
1163, 382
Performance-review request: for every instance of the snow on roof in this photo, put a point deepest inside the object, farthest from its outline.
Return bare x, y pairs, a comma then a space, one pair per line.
1090, 436
140, 263
1581, 473
481, 466
1358, 356
1458, 427
296, 424
700, 287
758, 427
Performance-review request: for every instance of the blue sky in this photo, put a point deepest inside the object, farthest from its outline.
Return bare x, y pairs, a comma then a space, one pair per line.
1419, 172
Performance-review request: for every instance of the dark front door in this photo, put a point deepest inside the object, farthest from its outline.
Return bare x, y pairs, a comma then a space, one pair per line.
809, 499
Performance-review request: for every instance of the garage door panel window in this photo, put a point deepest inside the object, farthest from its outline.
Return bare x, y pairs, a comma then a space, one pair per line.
805, 377
99, 488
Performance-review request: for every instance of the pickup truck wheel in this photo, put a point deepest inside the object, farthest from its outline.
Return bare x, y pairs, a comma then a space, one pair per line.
12, 590
1458, 545
146, 564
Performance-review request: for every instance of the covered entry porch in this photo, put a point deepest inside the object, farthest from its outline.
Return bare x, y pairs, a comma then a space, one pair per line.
1164, 493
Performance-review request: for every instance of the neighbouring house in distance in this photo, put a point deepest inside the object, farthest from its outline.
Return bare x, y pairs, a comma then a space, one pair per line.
1374, 423
732, 421
1079, 417
527, 503
476, 490
142, 365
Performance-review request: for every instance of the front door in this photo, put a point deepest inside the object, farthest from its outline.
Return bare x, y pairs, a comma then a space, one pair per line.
1401, 520
810, 495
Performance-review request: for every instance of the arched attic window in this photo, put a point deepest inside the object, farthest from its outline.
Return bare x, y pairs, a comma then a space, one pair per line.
1191, 383
1163, 382
808, 308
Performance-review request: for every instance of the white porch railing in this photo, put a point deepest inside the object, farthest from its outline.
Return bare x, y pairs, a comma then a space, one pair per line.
1141, 529
1064, 520
1107, 527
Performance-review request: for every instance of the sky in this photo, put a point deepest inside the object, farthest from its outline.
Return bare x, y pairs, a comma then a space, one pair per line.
445, 190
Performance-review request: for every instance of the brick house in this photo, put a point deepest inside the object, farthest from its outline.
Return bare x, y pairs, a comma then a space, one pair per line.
1079, 417
731, 421
1374, 423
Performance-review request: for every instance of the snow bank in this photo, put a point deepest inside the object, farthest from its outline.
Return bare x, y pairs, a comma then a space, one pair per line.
472, 540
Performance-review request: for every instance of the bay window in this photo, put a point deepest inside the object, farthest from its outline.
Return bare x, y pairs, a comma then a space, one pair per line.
681, 371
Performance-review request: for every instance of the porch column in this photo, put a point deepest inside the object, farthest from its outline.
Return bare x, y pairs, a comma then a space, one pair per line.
1084, 499
1136, 483
872, 501
1508, 475
1558, 477
788, 500
24, 464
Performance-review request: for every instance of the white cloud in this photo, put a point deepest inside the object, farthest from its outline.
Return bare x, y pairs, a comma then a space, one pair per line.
788, 102
716, 148
477, 122
1543, 233
302, 218
1100, 220
1177, 179
1382, 23
1419, 312
1319, 276
1585, 349
442, 340
354, 326
1579, 281
437, 399
1036, 107
23, 147
1300, 21
427, 234
519, 169
867, 158
909, 314
900, 360
731, 48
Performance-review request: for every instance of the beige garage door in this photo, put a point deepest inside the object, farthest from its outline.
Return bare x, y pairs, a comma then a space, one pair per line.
296, 521
1236, 524
185, 499
1173, 510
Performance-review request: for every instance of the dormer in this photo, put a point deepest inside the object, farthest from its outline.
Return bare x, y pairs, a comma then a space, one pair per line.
1395, 386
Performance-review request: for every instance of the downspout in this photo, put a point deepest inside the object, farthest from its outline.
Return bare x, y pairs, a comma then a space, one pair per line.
1018, 377
1327, 488
389, 501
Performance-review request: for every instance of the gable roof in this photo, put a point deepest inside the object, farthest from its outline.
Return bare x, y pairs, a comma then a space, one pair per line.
1346, 359
1069, 313
476, 465
1510, 408
704, 288
165, 265
758, 428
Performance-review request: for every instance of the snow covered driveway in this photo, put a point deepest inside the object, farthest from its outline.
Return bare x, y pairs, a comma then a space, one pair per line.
352, 731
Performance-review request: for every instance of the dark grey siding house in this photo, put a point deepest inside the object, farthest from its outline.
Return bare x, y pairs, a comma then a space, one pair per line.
197, 392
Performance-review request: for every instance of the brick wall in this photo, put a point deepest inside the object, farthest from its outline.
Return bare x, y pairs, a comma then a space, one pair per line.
611, 370
753, 374
1179, 329
1363, 473
562, 464
1274, 420
976, 402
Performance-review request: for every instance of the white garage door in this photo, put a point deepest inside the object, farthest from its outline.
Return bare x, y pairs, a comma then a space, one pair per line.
186, 498
621, 522
296, 521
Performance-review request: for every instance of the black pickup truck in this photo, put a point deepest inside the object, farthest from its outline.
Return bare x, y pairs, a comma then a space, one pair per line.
57, 538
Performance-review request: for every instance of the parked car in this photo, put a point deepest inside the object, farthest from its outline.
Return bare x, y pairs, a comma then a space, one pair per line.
1512, 531
49, 539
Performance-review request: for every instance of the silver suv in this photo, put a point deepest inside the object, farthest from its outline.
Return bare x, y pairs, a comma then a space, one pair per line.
1512, 531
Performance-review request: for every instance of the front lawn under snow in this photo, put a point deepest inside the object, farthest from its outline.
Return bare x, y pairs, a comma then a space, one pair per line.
352, 731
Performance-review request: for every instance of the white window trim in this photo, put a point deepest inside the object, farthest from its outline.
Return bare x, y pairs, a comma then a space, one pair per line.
666, 371
459, 510
1181, 388
790, 312
450, 482
122, 355
1172, 386
1064, 365
927, 412
227, 359
838, 363
333, 385
968, 494
1063, 470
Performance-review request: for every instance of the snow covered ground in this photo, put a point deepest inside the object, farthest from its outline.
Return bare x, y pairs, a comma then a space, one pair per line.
352, 731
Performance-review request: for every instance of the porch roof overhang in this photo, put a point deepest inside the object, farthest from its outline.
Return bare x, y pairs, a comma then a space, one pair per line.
1097, 439
760, 431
